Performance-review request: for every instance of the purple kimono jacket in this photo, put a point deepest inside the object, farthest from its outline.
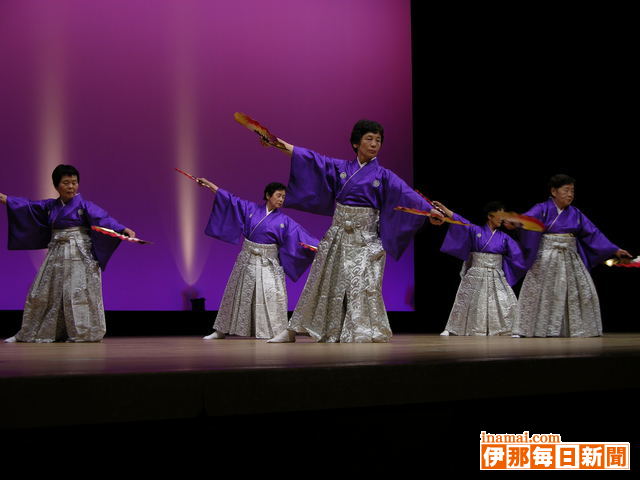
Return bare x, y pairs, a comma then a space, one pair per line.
31, 224
460, 241
317, 182
232, 218
593, 246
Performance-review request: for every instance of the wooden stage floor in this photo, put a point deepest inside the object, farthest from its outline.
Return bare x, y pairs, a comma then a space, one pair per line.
132, 379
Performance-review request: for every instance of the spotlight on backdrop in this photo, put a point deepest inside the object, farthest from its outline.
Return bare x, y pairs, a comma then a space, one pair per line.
191, 299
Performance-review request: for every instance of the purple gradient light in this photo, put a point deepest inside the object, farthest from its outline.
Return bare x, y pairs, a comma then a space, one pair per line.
138, 88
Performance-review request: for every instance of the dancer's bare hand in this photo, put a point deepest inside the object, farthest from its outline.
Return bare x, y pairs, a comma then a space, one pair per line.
439, 206
623, 253
436, 217
288, 148
129, 233
207, 184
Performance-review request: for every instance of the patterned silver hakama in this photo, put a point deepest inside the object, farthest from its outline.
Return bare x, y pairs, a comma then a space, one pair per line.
342, 299
485, 303
558, 297
65, 299
254, 303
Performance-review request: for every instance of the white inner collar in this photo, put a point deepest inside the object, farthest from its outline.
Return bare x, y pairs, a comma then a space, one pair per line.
363, 164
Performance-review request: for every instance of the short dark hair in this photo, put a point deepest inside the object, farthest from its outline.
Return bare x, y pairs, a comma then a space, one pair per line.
361, 128
273, 187
492, 206
560, 180
62, 170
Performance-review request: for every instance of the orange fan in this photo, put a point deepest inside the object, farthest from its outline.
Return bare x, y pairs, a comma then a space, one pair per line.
527, 222
623, 262
113, 233
189, 175
309, 247
424, 213
266, 137
429, 201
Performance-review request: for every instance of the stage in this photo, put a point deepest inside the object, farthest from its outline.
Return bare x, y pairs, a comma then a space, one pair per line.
125, 379
417, 400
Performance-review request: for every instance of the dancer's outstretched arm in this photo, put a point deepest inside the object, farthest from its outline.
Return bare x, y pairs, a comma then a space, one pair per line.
288, 148
207, 184
448, 212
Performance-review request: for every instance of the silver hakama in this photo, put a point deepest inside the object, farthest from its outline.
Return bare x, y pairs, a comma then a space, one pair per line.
254, 303
485, 303
558, 297
65, 299
342, 299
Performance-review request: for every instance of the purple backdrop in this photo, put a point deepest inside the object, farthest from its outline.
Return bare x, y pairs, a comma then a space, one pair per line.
126, 90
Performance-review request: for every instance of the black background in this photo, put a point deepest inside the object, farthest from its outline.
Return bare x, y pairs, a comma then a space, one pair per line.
503, 99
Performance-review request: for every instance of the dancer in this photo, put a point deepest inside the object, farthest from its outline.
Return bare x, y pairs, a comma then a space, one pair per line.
493, 262
254, 303
65, 299
558, 297
342, 299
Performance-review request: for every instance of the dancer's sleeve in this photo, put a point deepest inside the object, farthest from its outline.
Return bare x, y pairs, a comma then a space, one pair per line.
103, 246
398, 228
513, 262
457, 241
313, 181
294, 258
594, 247
28, 223
228, 216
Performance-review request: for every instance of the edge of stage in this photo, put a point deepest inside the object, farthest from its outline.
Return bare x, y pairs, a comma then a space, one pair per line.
125, 379
420, 397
